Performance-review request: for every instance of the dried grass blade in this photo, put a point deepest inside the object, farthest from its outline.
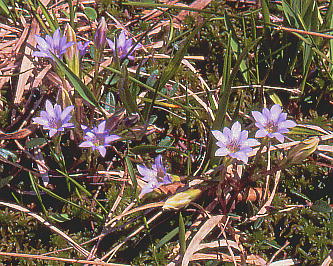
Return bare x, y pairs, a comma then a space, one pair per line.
208, 226
26, 62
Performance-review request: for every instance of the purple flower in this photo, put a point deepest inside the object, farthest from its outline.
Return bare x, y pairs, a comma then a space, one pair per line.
54, 119
272, 123
123, 46
56, 44
155, 176
97, 138
234, 142
83, 47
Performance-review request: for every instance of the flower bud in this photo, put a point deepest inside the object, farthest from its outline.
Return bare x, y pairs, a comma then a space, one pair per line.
72, 52
100, 35
181, 199
301, 151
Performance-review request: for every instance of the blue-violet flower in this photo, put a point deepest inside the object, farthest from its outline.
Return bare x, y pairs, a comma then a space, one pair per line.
123, 47
234, 142
54, 119
56, 44
272, 123
83, 47
155, 176
97, 138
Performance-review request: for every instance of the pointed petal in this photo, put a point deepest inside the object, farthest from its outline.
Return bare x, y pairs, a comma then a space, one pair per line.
111, 44
146, 173
260, 119
222, 152
276, 110
49, 109
121, 41
66, 112
251, 143
86, 144
287, 124
236, 130
42, 43
102, 150
279, 137
266, 114
111, 138
261, 133
241, 156
52, 132
219, 136
146, 189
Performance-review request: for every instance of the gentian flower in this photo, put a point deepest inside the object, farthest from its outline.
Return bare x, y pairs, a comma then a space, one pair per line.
272, 123
100, 35
123, 46
56, 44
98, 138
83, 47
234, 142
54, 119
155, 176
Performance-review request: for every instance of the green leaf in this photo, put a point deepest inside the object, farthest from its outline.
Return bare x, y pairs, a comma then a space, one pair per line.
165, 142
60, 217
53, 23
125, 94
5, 181
90, 13
141, 149
168, 237
300, 194
182, 240
7, 154
272, 244
79, 86
131, 173
4, 7
305, 131
35, 142
321, 206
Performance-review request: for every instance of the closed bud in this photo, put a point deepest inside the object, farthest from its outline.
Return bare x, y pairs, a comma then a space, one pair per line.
182, 199
301, 151
72, 52
100, 35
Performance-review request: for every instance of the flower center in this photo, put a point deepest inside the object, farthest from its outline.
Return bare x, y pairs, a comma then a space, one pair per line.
121, 52
55, 123
271, 126
98, 139
233, 146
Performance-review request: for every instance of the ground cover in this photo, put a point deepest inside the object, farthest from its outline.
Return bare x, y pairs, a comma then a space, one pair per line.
166, 133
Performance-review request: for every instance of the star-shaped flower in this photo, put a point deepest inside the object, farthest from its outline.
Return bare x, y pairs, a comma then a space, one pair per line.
83, 47
56, 44
123, 47
272, 123
54, 119
234, 142
98, 138
155, 176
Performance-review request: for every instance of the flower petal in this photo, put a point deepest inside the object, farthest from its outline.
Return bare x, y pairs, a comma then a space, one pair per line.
287, 124
260, 119
102, 150
222, 152
219, 136
261, 133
